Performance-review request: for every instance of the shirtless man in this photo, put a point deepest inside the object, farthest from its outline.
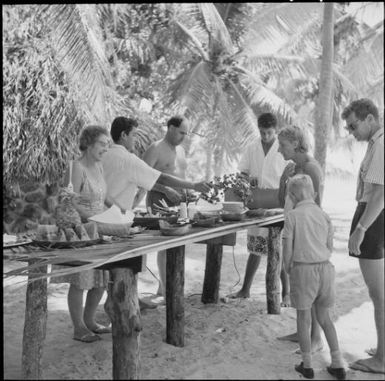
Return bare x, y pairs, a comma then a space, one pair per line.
168, 156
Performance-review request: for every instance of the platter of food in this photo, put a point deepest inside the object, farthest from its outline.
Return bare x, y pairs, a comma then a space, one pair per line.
205, 221
233, 216
53, 237
174, 228
14, 241
152, 222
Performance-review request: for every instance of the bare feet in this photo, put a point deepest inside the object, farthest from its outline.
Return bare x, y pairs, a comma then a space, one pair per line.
159, 292
286, 301
370, 365
239, 294
292, 337
146, 305
371, 351
85, 335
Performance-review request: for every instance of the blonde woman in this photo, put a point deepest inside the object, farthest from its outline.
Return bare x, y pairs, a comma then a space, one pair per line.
293, 145
90, 186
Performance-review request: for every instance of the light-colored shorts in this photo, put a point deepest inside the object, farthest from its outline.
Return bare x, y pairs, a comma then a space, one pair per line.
257, 240
312, 284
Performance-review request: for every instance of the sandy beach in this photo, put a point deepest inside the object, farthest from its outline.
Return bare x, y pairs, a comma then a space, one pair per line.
236, 339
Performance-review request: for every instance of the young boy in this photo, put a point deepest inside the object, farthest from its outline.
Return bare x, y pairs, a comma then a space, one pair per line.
307, 245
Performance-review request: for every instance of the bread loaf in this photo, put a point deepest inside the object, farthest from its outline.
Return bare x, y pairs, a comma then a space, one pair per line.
82, 233
92, 230
71, 235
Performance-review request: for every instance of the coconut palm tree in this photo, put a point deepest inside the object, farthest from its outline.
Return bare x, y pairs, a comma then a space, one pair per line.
324, 108
230, 82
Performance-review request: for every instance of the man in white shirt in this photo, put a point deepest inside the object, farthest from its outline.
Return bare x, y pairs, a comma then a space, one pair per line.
264, 165
124, 172
366, 240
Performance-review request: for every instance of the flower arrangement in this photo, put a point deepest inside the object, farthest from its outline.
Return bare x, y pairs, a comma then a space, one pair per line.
237, 182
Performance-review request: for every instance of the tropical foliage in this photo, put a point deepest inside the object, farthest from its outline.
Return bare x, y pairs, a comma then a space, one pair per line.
67, 65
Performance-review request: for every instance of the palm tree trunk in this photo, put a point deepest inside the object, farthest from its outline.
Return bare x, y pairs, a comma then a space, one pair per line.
323, 114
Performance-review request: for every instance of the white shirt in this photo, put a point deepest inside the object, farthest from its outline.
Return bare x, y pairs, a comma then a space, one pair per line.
124, 172
266, 168
372, 167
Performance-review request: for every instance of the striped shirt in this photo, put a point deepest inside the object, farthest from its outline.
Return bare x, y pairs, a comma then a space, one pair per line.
372, 167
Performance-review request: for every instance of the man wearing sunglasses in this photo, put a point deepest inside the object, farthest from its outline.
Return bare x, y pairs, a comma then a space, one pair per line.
366, 240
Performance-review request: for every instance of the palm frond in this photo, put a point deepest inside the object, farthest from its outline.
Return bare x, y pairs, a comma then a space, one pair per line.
259, 94
192, 38
193, 88
273, 23
81, 51
216, 26
366, 69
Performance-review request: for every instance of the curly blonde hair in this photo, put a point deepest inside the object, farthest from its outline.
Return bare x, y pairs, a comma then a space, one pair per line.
295, 134
89, 135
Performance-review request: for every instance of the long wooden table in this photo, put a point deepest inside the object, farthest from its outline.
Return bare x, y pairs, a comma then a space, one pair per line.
124, 261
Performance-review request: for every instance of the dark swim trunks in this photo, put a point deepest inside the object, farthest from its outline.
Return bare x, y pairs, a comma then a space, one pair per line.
372, 247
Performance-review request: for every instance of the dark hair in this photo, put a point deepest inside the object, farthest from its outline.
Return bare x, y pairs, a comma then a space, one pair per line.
267, 120
89, 135
175, 121
122, 124
361, 108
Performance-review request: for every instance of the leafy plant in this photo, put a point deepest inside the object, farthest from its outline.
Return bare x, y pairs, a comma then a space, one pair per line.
236, 182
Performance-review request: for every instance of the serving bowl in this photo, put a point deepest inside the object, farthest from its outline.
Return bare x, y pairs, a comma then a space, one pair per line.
233, 206
174, 229
230, 216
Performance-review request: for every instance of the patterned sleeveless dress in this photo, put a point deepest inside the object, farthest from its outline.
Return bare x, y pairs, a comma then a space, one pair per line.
91, 196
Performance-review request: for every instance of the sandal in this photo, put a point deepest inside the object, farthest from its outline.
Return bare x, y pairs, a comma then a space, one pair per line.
88, 338
100, 329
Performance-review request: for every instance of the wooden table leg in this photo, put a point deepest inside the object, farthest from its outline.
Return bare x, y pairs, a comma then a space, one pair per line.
210, 293
175, 296
273, 271
35, 324
122, 307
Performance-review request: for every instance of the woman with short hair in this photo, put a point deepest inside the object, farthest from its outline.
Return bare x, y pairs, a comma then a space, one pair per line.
90, 187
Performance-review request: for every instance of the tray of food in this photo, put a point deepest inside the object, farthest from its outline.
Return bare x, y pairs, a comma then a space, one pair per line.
178, 229
202, 220
152, 222
53, 237
14, 241
233, 216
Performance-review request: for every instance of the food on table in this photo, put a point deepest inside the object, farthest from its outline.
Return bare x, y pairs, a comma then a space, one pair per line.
47, 232
82, 232
61, 237
92, 230
71, 235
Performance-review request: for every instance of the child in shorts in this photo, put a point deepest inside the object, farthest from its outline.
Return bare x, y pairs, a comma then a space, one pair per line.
307, 246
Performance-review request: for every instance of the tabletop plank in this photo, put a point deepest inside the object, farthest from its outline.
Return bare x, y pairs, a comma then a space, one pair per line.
137, 245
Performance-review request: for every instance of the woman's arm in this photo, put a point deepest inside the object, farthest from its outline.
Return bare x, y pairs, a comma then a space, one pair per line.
315, 173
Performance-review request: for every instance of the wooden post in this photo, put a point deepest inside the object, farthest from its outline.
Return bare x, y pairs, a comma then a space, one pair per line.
212, 277
175, 296
122, 307
273, 271
35, 324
